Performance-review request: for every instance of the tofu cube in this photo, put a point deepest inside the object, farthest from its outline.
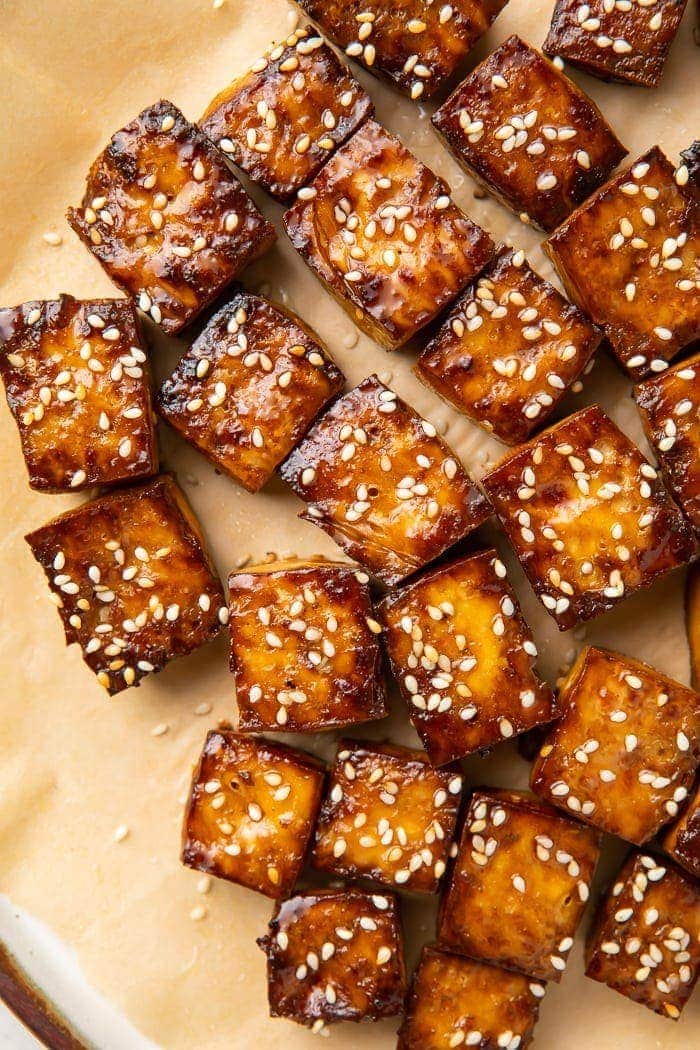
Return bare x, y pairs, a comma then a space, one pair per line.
133, 580
645, 942
416, 45
305, 650
588, 517
78, 384
628, 258
382, 234
388, 816
623, 755
692, 620
335, 955
251, 812
616, 41
528, 134
464, 658
682, 840
166, 218
379, 480
669, 405
509, 349
249, 387
282, 119
519, 885
455, 1002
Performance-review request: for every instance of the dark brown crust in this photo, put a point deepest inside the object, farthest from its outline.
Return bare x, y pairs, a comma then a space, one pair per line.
691, 159
682, 840
31, 1007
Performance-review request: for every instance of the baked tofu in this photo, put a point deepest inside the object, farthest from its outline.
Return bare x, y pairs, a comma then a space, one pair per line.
388, 816
692, 620
519, 885
335, 955
418, 45
616, 41
457, 1002
509, 349
382, 234
529, 135
628, 257
588, 517
166, 218
305, 649
132, 579
645, 942
464, 658
249, 387
669, 405
623, 754
382, 484
78, 384
282, 120
682, 840
251, 812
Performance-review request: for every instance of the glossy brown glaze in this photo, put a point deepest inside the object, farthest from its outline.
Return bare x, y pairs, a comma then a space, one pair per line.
381, 232
623, 754
508, 350
249, 387
588, 517
166, 218
628, 258
692, 620
133, 581
682, 840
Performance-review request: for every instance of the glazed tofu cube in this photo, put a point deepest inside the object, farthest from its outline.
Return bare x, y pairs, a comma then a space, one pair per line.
382, 234
132, 579
463, 657
249, 387
682, 840
455, 1001
627, 42
692, 620
251, 812
670, 408
623, 755
509, 349
304, 647
528, 134
388, 816
645, 942
282, 120
416, 45
628, 258
335, 955
378, 479
588, 517
166, 218
688, 171
519, 885
78, 384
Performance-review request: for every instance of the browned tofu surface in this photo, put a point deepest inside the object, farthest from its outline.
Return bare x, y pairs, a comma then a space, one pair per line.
645, 942
132, 579
509, 349
455, 1002
417, 44
670, 408
282, 120
628, 257
692, 620
689, 169
379, 480
166, 218
381, 232
251, 812
249, 387
682, 840
78, 384
623, 755
519, 885
388, 816
305, 649
614, 41
588, 517
528, 134
464, 658
335, 955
